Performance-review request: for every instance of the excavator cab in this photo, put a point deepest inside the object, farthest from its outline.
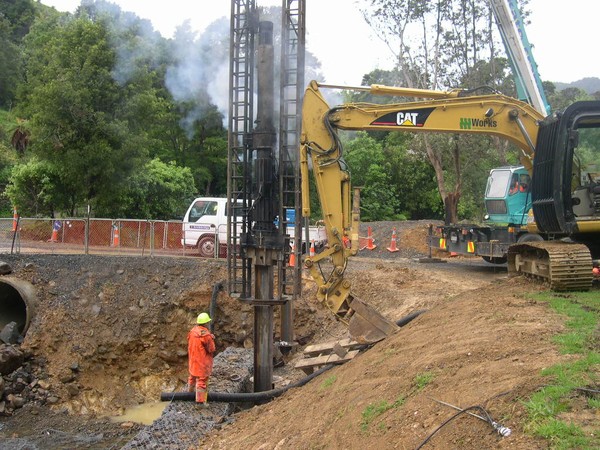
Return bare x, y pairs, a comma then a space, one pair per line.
566, 182
507, 196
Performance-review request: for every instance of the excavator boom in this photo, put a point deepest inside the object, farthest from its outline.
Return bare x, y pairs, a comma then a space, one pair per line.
455, 111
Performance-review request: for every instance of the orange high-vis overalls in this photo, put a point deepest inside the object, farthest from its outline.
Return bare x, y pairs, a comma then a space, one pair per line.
201, 348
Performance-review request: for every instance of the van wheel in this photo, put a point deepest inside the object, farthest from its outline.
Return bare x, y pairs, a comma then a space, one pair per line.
206, 247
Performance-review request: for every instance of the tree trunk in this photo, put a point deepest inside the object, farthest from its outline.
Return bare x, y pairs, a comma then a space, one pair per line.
451, 208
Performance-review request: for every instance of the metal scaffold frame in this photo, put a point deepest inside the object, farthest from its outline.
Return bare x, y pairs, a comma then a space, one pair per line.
244, 25
293, 30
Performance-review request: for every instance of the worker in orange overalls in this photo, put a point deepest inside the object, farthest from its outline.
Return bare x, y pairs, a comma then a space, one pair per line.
201, 349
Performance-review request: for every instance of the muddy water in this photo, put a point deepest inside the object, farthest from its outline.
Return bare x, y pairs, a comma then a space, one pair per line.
146, 413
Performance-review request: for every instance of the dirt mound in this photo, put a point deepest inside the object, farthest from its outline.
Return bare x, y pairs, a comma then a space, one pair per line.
485, 347
411, 238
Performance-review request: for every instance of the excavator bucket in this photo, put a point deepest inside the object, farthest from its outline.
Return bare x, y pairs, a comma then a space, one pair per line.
366, 325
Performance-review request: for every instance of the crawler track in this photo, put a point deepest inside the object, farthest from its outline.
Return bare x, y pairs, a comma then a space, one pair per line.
565, 266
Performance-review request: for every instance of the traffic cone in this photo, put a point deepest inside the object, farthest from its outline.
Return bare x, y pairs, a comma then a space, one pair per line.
115, 239
292, 262
370, 243
312, 248
392, 248
15, 219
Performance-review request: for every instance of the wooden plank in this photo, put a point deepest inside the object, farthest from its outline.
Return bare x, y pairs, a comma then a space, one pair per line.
309, 364
317, 349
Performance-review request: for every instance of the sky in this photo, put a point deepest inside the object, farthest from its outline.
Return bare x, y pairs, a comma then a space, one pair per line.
561, 32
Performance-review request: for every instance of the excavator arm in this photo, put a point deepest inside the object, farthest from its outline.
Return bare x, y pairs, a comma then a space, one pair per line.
321, 151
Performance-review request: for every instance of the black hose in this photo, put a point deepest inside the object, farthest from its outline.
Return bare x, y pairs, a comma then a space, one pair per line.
212, 308
233, 397
406, 319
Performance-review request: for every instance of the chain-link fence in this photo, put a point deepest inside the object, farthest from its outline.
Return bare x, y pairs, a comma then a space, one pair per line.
98, 236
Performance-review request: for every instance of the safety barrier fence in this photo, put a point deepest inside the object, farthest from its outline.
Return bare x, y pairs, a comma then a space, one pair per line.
102, 236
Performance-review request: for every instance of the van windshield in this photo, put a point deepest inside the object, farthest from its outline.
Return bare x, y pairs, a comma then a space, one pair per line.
202, 208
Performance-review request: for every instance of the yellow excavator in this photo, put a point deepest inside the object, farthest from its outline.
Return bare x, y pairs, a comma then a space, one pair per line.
564, 223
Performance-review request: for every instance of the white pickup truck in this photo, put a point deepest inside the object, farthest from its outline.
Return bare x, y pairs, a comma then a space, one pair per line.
205, 227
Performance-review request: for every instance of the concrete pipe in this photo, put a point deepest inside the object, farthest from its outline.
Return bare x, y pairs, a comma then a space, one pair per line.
17, 303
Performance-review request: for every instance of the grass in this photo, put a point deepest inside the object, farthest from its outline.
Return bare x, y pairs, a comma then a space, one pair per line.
545, 406
328, 382
374, 410
423, 379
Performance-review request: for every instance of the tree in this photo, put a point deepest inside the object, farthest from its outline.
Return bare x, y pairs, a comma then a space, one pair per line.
437, 45
73, 102
10, 65
370, 170
158, 191
33, 187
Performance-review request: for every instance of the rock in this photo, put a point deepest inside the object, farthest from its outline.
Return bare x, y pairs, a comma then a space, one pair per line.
1, 387
168, 357
16, 401
127, 425
44, 384
5, 268
10, 334
73, 390
74, 367
2, 408
52, 399
66, 378
10, 359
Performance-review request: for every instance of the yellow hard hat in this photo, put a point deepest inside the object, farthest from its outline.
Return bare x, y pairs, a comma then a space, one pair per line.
203, 318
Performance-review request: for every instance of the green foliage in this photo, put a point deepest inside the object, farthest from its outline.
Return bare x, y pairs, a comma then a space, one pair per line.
545, 405
34, 187
411, 172
101, 119
423, 379
10, 66
158, 191
374, 410
561, 99
563, 435
329, 381
19, 15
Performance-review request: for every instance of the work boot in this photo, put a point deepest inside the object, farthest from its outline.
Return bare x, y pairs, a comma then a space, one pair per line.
201, 396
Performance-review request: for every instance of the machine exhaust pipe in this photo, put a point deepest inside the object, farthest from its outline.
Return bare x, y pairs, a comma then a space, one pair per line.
17, 303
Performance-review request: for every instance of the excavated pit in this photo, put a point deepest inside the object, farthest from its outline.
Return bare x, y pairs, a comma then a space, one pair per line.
104, 334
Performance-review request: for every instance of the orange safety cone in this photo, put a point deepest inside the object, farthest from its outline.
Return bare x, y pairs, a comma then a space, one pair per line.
312, 248
56, 226
370, 242
15, 218
115, 239
292, 262
392, 248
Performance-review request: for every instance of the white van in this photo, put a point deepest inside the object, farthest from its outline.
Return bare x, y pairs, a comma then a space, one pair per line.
205, 227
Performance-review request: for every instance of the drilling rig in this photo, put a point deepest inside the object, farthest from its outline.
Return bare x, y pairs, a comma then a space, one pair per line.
263, 176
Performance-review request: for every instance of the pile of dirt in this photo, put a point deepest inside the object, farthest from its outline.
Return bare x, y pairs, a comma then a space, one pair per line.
485, 347
411, 239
